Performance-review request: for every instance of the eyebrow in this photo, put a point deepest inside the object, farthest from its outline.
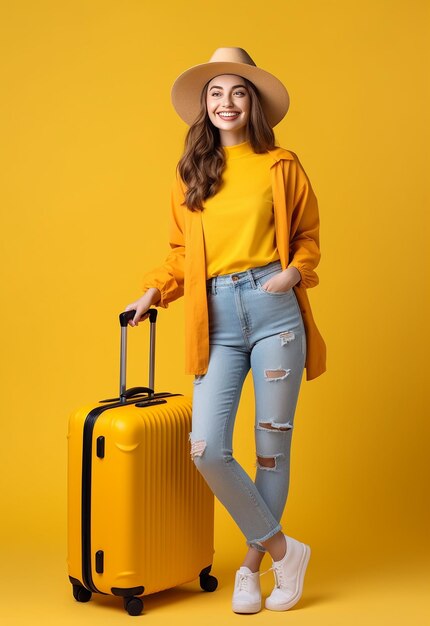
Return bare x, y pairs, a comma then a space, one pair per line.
234, 86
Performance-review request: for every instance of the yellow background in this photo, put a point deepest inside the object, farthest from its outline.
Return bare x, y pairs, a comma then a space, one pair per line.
89, 143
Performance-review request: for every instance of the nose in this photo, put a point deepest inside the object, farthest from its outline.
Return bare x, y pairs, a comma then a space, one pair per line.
227, 100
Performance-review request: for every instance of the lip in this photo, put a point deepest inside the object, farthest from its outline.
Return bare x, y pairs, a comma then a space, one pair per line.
229, 117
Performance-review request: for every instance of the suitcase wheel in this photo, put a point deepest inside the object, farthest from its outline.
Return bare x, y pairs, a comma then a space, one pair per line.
208, 582
133, 606
81, 594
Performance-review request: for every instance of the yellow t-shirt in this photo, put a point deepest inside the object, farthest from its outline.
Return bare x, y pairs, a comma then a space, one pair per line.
238, 222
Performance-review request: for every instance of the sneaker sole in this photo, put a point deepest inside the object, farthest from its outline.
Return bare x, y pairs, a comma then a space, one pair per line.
247, 608
302, 570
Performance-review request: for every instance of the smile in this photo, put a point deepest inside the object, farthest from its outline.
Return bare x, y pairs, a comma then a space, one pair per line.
229, 114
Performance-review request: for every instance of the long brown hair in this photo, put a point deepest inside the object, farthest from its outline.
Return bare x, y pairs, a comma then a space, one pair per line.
203, 161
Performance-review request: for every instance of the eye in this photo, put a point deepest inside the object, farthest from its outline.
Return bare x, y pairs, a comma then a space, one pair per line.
215, 93
242, 93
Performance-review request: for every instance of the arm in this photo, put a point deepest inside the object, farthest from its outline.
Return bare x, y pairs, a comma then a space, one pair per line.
168, 278
304, 234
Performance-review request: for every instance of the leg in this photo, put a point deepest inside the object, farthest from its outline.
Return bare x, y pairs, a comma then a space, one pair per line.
281, 372
277, 367
215, 401
254, 557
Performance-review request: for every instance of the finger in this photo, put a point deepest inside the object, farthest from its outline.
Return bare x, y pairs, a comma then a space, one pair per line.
140, 317
132, 320
137, 318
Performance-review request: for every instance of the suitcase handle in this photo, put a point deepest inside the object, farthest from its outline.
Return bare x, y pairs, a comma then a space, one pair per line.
136, 391
124, 318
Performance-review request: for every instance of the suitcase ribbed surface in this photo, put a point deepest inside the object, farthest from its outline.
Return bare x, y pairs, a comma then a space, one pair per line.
151, 514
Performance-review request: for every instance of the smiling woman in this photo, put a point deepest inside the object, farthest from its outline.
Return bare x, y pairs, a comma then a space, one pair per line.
228, 105
230, 113
244, 231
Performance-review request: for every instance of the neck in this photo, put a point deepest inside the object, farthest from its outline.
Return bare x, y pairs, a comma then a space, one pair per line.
232, 137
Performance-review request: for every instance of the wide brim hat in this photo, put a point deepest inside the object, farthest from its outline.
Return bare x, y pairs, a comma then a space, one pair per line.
187, 88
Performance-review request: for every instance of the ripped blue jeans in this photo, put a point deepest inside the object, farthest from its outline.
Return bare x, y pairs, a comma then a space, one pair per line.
249, 327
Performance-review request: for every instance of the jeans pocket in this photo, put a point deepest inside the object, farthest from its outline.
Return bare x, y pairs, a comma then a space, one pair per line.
262, 281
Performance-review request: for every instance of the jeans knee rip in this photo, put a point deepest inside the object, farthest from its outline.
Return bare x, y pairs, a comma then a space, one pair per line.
275, 426
197, 447
273, 461
276, 374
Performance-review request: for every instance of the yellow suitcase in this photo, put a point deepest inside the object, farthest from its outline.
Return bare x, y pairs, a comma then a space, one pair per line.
140, 515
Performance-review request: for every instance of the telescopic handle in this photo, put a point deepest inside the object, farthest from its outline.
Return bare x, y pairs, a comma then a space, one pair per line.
124, 318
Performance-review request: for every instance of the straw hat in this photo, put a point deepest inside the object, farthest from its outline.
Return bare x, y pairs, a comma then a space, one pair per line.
187, 87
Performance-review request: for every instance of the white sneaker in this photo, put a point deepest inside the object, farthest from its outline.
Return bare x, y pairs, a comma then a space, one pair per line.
289, 576
247, 591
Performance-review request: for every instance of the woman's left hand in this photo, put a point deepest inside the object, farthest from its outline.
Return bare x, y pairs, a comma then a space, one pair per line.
283, 281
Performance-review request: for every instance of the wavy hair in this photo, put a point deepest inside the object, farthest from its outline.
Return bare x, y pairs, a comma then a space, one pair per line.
203, 160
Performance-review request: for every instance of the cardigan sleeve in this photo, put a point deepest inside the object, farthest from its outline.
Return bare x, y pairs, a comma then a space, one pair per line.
168, 278
304, 247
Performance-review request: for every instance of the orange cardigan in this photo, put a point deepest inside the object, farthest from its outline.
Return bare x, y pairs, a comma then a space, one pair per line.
183, 273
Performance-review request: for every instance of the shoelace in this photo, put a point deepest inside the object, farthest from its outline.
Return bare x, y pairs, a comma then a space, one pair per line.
267, 570
243, 577
243, 581
279, 575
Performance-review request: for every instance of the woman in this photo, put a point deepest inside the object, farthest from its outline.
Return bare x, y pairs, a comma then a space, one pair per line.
244, 234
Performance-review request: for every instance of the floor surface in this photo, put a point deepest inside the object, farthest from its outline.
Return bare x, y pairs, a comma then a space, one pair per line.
35, 589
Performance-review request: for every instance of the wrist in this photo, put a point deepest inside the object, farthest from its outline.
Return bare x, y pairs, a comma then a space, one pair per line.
154, 294
293, 275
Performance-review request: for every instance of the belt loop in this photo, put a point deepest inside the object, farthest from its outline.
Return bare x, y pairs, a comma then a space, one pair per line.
251, 278
214, 285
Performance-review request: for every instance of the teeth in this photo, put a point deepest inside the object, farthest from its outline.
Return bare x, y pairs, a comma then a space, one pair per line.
228, 114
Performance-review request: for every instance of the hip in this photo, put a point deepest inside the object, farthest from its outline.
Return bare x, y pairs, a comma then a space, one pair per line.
239, 306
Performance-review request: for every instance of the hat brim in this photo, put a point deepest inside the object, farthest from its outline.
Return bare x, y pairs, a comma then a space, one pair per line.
186, 89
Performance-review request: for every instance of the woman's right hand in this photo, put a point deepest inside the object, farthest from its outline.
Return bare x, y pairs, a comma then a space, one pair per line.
151, 296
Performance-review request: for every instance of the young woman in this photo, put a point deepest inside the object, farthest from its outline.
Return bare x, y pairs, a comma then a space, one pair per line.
244, 234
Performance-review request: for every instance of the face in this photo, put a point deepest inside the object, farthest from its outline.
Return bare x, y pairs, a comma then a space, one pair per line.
228, 105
